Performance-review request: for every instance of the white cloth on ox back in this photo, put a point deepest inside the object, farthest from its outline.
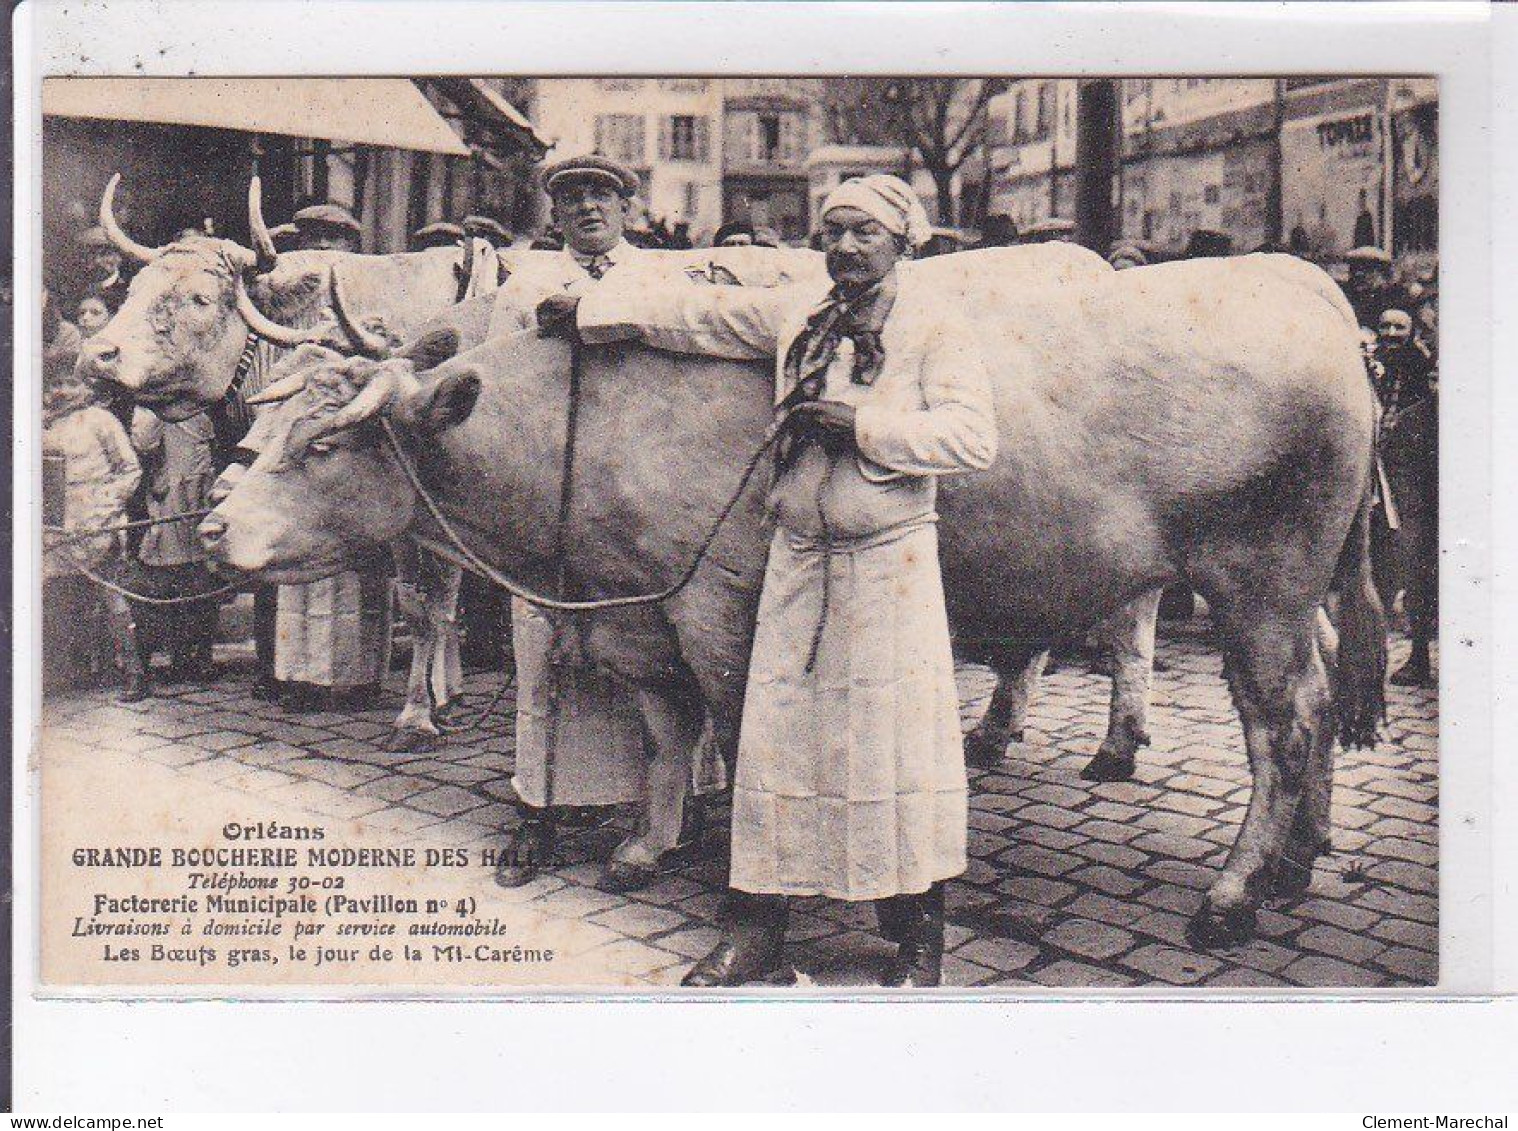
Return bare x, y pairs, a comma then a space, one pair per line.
850, 779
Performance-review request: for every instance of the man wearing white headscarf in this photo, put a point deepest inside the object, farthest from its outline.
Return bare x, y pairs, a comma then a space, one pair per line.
850, 776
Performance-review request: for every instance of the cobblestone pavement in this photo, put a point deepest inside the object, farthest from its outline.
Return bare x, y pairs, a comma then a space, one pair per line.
1071, 884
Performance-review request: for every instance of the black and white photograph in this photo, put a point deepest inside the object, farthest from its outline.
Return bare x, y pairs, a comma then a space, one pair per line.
886, 533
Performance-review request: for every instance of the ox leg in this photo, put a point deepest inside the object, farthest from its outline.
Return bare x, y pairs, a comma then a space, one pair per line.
1129, 637
1312, 830
1007, 714
1282, 692
674, 722
447, 670
414, 728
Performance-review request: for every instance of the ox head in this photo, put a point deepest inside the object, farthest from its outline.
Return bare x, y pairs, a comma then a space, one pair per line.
175, 343
326, 493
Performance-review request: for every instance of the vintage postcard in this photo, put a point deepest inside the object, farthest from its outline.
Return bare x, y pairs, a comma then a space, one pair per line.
670, 533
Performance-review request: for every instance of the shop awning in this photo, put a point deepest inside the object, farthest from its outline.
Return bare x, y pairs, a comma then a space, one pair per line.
501, 122
385, 112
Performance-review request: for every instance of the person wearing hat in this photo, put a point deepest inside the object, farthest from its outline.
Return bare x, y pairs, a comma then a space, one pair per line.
439, 233
579, 735
492, 231
284, 236
850, 772
326, 227
1126, 255
104, 276
1370, 288
999, 230
734, 233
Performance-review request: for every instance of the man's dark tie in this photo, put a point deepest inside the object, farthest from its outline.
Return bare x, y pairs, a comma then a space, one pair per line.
597, 266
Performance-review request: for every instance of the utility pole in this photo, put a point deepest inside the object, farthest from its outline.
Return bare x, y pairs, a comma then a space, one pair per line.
1275, 204
1098, 157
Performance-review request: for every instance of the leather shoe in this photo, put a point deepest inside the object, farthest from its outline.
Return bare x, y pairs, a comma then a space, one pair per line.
530, 847
919, 954
752, 947
618, 876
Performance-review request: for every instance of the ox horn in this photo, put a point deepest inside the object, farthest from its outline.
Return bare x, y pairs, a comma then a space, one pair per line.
373, 399
369, 343
281, 390
268, 329
140, 252
264, 251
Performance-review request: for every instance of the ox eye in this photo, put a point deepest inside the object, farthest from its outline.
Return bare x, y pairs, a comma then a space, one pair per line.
200, 300
320, 447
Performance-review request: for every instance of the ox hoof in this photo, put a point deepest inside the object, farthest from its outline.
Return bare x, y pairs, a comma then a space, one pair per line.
1212, 929
403, 741
1293, 872
448, 712
1292, 878
1109, 765
986, 753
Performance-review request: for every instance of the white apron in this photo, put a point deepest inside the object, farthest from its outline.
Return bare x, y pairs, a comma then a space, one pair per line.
599, 755
335, 632
851, 777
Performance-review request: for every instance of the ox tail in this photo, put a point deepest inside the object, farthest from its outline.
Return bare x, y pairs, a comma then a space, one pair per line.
1360, 686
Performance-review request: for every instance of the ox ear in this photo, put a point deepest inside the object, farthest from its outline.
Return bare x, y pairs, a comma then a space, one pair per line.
445, 403
432, 348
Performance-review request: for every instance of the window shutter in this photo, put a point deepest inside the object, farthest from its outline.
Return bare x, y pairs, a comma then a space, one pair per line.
666, 135
702, 146
750, 137
790, 140
637, 147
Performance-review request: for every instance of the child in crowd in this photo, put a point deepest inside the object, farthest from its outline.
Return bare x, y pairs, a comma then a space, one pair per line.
99, 474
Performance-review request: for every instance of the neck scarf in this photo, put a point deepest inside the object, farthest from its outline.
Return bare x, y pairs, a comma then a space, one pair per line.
858, 318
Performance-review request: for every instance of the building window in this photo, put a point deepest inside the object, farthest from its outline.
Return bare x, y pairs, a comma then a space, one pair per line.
1045, 110
684, 138
620, 83
1020, 117
769, 137
620, 137
683, 86
692, 200
1211, 194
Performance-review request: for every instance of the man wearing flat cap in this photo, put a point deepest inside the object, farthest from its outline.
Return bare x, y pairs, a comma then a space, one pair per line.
439, 233
579, 735
326, 227
487, 229
850, 773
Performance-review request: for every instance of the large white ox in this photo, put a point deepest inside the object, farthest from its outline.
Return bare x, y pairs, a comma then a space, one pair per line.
1154, 428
